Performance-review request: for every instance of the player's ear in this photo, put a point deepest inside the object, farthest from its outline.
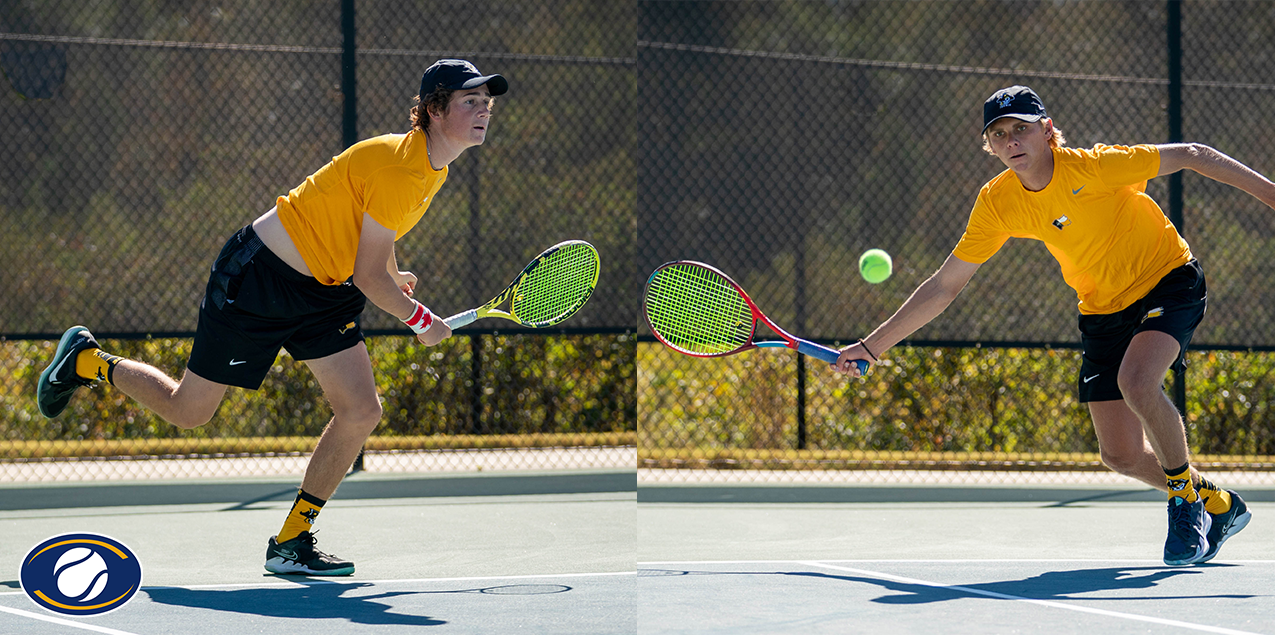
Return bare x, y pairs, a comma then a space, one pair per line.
435, 111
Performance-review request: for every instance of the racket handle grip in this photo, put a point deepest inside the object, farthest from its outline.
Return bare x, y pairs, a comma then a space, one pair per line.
826, 354
461, 319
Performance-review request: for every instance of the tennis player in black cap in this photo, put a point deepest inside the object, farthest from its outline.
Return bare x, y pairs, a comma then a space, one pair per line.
1141, 291
299, 277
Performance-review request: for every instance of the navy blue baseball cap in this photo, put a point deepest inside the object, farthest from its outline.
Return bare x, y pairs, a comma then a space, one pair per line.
1019, 102
458, 74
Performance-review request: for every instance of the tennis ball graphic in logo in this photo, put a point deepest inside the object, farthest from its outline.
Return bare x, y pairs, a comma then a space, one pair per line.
875, 266
80, 574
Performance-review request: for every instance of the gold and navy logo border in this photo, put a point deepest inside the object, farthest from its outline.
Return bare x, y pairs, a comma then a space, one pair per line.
38, 576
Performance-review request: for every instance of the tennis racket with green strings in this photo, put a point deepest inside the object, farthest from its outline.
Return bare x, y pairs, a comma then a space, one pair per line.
549, 290
697, 310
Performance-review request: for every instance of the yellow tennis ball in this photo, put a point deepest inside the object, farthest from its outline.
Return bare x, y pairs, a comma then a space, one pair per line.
875, 265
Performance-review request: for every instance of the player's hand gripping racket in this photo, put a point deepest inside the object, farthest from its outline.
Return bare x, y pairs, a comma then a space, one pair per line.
697, 310
549, 290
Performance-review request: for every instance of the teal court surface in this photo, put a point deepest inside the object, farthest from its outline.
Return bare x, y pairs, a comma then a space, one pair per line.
602, 551
927, 559
536, 553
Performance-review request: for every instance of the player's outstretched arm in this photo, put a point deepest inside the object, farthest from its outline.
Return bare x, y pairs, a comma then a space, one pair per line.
385, 290
405, 280
1216, 165
926, 303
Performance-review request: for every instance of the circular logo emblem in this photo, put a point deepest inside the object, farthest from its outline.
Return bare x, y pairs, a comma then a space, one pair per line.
81, 574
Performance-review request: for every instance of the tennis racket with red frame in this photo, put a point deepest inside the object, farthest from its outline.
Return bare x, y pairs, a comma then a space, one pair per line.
695, 309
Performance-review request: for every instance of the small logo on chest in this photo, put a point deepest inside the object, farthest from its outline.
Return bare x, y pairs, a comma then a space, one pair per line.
1061, 222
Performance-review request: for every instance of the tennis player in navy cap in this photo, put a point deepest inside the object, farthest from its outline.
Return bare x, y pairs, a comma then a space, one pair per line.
1141, 291
299, 277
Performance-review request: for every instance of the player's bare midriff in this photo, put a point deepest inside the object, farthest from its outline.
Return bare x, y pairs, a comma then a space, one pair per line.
270, 229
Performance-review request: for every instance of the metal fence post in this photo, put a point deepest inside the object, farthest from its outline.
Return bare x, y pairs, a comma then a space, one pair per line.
475, 286
349, 84
1174, 36
800, 323
349, 110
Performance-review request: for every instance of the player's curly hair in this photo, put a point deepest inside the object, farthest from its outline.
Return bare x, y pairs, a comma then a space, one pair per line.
436, 101
1056, 140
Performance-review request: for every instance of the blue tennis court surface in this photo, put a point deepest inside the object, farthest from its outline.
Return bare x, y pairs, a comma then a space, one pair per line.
951, 560
955, 596
535, 553
576, 603
592, 553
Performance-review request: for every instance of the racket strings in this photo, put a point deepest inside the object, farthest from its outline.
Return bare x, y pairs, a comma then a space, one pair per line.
557, 286
695, 310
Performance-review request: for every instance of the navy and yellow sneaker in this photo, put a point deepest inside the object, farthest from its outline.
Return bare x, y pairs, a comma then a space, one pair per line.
1188, 532
59, 381
1227, 525
299, 556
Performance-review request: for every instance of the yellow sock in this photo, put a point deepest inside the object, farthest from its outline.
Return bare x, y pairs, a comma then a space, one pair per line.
95, 364
1216, 500
1180, 484
304, 510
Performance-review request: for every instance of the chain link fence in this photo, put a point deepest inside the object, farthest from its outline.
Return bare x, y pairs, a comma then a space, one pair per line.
783, 139
140, 135
775, 140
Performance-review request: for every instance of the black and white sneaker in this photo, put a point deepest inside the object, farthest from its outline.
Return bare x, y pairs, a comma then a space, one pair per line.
1189, 526
1227, 525
59, 381
298, 556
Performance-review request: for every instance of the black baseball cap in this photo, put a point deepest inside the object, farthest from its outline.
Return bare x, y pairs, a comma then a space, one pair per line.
1019, 102
458, 74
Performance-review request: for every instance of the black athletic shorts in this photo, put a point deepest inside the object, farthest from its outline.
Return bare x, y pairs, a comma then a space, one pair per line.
1175, 306
255, 303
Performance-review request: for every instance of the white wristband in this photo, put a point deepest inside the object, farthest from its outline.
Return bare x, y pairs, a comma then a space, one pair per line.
421, 319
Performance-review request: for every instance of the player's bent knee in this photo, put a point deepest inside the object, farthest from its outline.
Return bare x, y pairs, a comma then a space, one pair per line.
373, 414
366, 414
1139, 386
1121, 462
191, 420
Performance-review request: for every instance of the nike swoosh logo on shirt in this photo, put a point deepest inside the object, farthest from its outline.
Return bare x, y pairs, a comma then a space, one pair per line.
234, 363
1077, 190
1093, 377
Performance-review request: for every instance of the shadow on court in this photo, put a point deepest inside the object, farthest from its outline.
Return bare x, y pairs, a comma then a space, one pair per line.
326, 600
1052, 585
307, 602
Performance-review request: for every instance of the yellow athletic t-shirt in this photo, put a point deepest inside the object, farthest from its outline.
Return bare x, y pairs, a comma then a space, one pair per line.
1111, 239
388, 177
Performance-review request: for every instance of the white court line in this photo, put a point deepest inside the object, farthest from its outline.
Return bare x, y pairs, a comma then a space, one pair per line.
316, 582
946, 561
1057, 605
62, 622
